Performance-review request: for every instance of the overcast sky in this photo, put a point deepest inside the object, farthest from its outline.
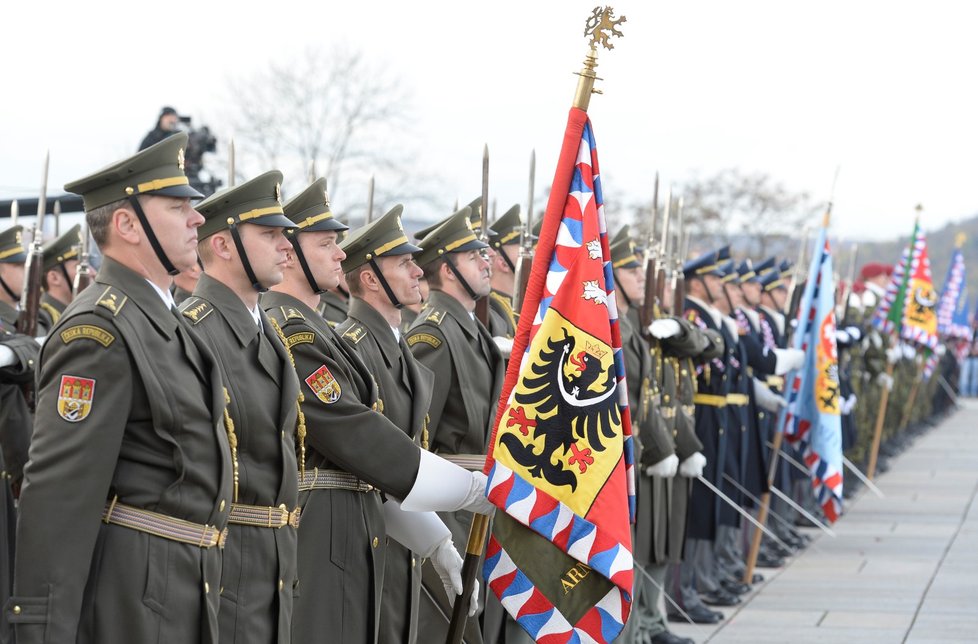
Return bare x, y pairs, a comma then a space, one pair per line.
886, 90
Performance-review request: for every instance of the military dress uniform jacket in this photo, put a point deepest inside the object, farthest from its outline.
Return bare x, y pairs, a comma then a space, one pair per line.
50, 311
503, 320
342, 539
332, 308
129, 413
404, 386
711, 424
16, 420
259, 562
468, 371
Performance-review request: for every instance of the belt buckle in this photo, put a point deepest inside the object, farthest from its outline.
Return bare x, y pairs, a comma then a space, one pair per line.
282, 518
222, 537
293, 517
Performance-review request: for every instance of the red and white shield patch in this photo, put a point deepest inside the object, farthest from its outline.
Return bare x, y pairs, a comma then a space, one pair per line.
75, 398
324, 385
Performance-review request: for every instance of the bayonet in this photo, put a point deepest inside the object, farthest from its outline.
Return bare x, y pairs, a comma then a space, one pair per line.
231, 172
370, 202
14, 212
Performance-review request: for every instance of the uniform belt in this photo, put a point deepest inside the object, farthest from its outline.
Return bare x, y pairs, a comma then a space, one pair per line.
667, 412
775, 381
161, 525
710, 399
319, 479
738, 400
689, 409
471, 462
264, 516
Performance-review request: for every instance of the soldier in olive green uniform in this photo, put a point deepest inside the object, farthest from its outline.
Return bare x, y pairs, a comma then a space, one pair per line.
185, 282
333, 304
60, 262
468, 370
126, 495
380, 285
242, 247
350, 453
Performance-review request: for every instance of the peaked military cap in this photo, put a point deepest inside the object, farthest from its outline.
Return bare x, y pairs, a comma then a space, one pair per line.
730, 273
309, 210
772, 280
258, 201
707, 263
454, 235
785, 266
506, 229
745, 270
63, 248
761, 269
12, 246
380, 238
157, 170
475, 214
623, 251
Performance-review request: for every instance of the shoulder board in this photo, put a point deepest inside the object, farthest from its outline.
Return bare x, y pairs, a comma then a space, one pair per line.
111, 301
87, 332
427, 338
53, 312
196, 309
435, 316
355, 333
291, 313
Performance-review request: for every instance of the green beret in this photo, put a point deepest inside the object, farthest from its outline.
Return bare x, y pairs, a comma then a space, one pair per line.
156, 170
453, 235
506, 229
63, 248
380, 238
12, 246
309, 210
258, 201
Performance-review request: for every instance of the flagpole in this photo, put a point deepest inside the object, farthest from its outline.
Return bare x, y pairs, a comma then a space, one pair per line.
878, 428
600, 28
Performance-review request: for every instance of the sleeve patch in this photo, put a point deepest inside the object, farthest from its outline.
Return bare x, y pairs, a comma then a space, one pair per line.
300, 338
427, 338
89, 332
75, 398
324, 385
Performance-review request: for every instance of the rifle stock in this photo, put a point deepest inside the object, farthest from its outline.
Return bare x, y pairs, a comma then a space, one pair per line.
84, 275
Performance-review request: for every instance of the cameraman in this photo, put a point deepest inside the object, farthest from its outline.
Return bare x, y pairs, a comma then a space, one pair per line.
166, 125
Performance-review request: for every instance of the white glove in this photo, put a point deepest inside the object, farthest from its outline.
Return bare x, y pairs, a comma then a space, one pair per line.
842, 336
876, 340
505, 345
666, 468
854, 332
846, 406
664, 328
893, 354
420, 532
444, 486
788, 360
766, 398
909, 353
448, 564
693, 466
885, 380
7, 356
940, 350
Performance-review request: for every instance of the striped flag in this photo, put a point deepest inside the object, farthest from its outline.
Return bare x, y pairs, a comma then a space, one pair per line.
952, 312
560, 462
812, 419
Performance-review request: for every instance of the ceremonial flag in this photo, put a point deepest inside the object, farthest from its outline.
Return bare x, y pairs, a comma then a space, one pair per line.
888, 317
812, 419
920, 300
952, 312
560, 462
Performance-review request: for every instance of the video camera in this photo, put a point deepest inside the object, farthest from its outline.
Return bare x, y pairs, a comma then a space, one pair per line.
201, 140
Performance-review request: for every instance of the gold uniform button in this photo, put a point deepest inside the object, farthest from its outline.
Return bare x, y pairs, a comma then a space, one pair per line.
281, 584
760, 414
16, 610
376, 542
207, 587
221, 509
721, 431
414, 562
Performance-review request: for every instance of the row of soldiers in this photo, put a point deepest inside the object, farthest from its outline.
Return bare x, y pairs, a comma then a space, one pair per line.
258, 426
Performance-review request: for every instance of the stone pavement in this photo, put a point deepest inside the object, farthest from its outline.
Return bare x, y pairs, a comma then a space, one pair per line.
903, 568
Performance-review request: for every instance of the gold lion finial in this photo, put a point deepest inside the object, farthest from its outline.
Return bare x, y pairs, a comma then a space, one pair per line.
601, 25
959, 240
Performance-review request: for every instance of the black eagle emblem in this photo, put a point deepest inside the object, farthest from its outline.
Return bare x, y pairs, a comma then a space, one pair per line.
568, 409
